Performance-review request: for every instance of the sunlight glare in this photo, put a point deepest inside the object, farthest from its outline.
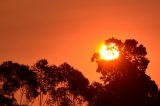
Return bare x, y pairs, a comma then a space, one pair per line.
109, 52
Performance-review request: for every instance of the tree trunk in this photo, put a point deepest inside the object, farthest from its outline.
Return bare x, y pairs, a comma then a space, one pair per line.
22, 91
40, 102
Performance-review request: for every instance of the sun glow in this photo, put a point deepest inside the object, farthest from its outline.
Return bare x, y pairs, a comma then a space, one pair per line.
109, 52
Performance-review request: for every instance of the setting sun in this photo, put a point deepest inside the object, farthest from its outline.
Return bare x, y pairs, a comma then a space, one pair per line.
109, 52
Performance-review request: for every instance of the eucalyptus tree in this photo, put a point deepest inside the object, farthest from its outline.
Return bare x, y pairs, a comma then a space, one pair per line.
125, 78
70, 87
15, 77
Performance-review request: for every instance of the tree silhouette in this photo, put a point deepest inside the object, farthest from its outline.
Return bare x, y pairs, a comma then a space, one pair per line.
14, 77
71, 87
40, 68
125, 79
125, 82
61, 85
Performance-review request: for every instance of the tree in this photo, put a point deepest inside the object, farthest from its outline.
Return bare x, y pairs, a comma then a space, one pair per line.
70, 89
46, 78
125, 82
14, 77
125, 78
29, 84
62, 85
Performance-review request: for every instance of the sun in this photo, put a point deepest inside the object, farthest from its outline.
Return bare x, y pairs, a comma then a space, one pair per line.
109, 52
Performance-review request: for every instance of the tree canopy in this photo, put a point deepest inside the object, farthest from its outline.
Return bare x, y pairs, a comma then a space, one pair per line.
125, 78
124, 81
60, 85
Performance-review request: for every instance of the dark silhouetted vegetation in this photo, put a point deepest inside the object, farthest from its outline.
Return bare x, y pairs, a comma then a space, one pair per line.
124, 81
53, 85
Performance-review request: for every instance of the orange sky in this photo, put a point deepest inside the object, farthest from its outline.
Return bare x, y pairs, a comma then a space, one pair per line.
71, 30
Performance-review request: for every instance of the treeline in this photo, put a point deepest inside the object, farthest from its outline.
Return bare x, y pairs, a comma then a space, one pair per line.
60, 85
124, 81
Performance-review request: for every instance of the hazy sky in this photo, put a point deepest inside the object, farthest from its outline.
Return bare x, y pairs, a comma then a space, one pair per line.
71, 30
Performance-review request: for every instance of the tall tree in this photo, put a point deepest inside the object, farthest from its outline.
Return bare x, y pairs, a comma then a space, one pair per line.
125, 78
13, 77
62, 85
70, 89
42, 69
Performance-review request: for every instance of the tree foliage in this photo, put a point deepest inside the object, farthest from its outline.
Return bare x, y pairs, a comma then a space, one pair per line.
125, 78
14, 76
61, 85
125, 82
